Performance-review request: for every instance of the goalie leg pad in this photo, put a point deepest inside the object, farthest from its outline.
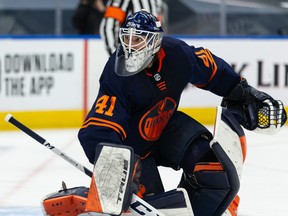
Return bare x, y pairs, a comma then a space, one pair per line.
208, 188
217, 183
110, 188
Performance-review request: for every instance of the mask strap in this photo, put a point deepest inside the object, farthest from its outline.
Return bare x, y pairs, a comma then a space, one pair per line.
130, 40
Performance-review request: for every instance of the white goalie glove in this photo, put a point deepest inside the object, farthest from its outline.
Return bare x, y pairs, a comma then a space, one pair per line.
255, 110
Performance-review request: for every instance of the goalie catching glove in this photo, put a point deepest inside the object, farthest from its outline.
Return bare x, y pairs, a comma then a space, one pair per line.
255, 110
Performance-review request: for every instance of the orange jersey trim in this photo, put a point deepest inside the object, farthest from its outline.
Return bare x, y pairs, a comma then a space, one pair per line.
105, 123
115, 13
208, 61
161, 85
160, 54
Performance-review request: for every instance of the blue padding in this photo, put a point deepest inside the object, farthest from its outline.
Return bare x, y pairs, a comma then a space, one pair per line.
232, 176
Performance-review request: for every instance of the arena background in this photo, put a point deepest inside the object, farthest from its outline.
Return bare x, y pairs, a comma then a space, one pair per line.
49, 74
49, 79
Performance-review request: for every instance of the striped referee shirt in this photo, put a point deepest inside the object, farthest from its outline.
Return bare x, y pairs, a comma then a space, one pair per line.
116, 13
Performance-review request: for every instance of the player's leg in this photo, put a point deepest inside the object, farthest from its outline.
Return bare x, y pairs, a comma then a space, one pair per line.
176, 138
168, 151
205, 180
150, 182
185, 144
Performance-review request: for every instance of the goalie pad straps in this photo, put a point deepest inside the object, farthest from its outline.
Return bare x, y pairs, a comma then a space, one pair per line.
110, 190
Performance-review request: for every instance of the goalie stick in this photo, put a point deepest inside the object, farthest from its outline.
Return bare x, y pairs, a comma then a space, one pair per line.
9, 118
146, 209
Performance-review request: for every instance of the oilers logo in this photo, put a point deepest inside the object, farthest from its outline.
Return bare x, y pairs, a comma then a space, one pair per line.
154, 121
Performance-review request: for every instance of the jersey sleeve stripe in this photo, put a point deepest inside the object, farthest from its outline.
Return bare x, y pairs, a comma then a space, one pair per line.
105, 123
208, 61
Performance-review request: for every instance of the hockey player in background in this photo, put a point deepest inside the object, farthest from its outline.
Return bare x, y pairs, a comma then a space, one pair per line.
136, 106
116, 13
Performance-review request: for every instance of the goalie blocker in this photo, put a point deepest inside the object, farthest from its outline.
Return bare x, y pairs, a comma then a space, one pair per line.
111, 185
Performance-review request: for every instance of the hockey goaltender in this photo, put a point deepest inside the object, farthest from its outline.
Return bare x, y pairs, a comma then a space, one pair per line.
134, 127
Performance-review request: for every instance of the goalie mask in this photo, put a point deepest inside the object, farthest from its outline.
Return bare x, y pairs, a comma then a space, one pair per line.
140, 37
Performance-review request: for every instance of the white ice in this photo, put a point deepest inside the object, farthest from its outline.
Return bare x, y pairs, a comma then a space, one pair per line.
29, 172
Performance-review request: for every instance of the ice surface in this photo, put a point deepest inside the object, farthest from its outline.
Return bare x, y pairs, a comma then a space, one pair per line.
29, 172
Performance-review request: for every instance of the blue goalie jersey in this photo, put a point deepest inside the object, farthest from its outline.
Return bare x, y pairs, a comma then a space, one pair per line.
134, 110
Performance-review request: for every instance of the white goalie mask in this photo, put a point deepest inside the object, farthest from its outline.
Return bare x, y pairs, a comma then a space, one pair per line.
140, 38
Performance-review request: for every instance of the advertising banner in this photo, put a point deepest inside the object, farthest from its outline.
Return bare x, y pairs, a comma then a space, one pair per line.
53, 82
